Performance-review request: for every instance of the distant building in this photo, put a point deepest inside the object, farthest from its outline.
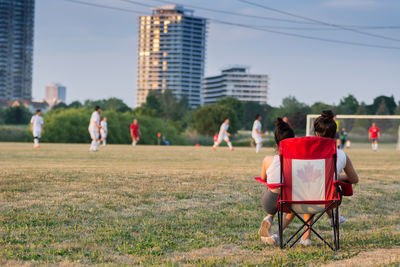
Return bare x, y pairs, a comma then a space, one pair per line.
16, 49
236, 82
31, 105
171, 56
55, 93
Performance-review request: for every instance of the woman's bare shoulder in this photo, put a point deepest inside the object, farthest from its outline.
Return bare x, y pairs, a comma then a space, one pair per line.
268, 161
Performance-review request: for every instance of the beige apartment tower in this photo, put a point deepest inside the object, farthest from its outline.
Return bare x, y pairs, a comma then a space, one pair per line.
171, 53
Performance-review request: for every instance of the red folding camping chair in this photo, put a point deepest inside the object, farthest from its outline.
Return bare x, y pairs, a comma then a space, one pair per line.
309, 185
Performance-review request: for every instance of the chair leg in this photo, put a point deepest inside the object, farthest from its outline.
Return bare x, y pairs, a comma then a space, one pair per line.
334, 226
281, 226
337, 228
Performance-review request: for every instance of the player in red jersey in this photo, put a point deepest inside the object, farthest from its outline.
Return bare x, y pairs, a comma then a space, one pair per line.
135, 132
374, 134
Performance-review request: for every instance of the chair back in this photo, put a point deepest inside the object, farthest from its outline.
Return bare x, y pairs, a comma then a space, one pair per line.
308, 171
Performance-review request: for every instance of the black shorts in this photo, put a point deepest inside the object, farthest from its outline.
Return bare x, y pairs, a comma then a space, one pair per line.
269, 201
337, 135
374, 140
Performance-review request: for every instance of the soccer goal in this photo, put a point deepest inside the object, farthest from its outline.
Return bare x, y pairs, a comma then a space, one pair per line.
357, 127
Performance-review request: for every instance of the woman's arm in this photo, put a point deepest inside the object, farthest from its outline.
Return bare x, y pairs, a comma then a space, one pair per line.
265, 165
351, 175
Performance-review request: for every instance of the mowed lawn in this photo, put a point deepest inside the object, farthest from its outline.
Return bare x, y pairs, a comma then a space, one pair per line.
175, 205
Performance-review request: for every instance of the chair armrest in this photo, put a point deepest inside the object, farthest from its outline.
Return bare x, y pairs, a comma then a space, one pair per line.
270, 186
347, 188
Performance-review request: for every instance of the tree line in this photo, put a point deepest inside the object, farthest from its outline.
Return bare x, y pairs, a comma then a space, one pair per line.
164, 113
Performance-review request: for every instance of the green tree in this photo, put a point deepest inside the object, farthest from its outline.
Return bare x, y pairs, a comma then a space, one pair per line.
389, 102
362, 124
250, 110
347, 105
318, 107
153, 102
60, 105
208, 119
295, 111
383, 110
75, 104
115, 104
234, 104
17, 115
2, 115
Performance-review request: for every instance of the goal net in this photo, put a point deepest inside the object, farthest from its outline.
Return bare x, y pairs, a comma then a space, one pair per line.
357, 127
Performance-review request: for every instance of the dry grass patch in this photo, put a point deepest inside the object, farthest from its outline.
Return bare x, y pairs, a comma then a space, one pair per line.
170, 205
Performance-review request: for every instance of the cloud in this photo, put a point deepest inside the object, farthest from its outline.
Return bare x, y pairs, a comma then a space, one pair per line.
351, 3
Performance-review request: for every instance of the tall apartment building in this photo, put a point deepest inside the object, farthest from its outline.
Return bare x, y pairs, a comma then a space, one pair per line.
172, 46
55, 93
236, 82
16, 49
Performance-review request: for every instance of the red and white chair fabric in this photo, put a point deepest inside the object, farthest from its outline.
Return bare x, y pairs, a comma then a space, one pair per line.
309, 184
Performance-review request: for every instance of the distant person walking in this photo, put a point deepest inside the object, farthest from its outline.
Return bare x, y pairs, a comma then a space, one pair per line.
36, 127
104, 131
256, 133
135, 132
94, 126
223, 135
374, 134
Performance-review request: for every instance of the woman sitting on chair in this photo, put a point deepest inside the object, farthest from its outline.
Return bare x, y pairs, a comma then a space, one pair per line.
270, 172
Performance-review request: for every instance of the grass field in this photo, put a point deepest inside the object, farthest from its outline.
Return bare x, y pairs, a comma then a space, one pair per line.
174, 205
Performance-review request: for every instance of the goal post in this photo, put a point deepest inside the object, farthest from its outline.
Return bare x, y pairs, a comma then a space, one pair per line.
310, 117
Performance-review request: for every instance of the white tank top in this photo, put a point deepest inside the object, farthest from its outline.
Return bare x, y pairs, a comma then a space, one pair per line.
274, 170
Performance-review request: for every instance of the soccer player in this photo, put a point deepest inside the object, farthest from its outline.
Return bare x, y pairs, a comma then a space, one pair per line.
256, 133
94, 127
103, 130
135, 132
374, 134
223, 135
343, 138
37, 128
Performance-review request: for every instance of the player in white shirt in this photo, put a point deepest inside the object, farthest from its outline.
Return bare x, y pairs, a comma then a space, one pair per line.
223, 135
256, 133
103, 130
94, 127
37, 128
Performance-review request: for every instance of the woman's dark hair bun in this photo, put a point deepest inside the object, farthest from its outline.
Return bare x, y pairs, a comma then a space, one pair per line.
327, 115
279, 123
282, 130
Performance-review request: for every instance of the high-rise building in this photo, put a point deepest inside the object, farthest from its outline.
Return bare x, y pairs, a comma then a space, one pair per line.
236, 82
172, 46
16, 49
55, 93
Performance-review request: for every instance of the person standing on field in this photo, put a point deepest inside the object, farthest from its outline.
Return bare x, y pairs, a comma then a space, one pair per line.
374, 134
104, 130
343, 138
36, 127
223, 135
256, 133
135, 132
94, 127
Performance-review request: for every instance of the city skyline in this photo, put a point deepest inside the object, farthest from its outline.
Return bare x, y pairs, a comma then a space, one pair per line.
99, 47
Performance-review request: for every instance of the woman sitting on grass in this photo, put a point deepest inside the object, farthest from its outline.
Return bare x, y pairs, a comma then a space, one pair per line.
271, 173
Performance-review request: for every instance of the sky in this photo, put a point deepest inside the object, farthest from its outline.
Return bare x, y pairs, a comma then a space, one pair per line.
93, 51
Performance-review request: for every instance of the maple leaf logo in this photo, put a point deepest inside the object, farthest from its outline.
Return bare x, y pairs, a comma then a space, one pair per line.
308, 174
